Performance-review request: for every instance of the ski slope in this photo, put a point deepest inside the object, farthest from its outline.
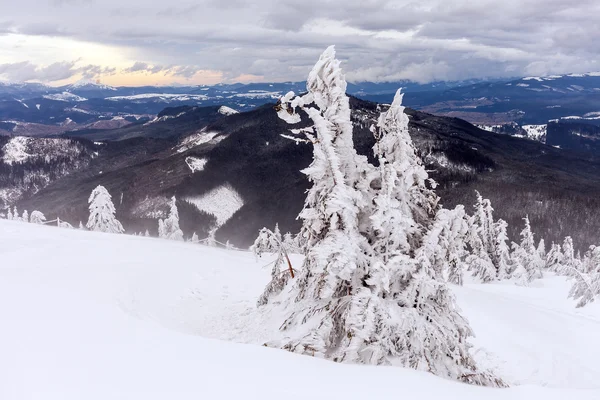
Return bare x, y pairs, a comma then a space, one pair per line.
97, 316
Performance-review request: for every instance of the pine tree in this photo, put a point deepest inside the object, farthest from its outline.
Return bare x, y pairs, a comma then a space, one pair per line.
526, 255
25, 217
570, 265
147, 234
554, 258
37, 217
194, 238
81, 227
102, 212
16, 214
502, 251
170, 226
269, 242
485, 260
161, 228
361, 295
9, 215
541, 249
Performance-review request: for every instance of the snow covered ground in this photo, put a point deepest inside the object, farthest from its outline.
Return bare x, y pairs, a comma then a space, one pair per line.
97, 316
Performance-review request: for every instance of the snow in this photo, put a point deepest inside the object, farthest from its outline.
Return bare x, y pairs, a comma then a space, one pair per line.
222, 202
536, 132
198, 139
489, 128
523, 84
125, 317
533, 78
90, 84
15, 150
164, 97
227, 110
195, 163
37, 106
64, 96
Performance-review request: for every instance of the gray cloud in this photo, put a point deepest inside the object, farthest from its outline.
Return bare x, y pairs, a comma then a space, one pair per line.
377, 39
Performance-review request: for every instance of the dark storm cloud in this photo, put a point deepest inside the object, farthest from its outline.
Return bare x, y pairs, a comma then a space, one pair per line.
377, 39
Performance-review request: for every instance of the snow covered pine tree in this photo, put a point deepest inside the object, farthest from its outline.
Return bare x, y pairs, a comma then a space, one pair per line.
361, 295
102, 212
169, 228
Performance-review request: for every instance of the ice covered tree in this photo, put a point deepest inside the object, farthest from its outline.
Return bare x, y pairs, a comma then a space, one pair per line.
554, 258
586, 287
147, 234
570, 265
267, 241
488, 259
526, 256
170, 226
16, 216
362, 295
37, 217
25, 217
81, 227
102, 212
9, 215
502, 251
270, 242
541, 249
194, 238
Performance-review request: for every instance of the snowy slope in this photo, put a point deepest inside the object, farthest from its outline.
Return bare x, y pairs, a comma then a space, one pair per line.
99, 316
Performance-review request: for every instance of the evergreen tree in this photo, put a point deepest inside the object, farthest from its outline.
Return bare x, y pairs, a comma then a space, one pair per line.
16, 214
502, 251
170, 226
102, 212
554, 258
37, 217
367, 292
194, 238
147, 234
526, 255
161, 228
570, 265
25, 217
541, 249
81, 227
9, 215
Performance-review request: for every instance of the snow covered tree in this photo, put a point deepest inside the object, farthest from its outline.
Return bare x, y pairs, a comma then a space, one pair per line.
570, 265
270, 242
102, 212
267, 241
161, 228
502, 251
587, 278
147, 234
526, 256
554, 258
81, 227
541, 249
37, 217
170, 226
362, 295
25, 217
16, 216
9, 215
194, 238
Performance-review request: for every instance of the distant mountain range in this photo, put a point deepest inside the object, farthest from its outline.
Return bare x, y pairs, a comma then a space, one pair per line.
520, 107
236, 172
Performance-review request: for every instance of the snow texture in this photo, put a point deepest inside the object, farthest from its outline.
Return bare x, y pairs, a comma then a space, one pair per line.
227, 110
143, 318
222, 202
196, 164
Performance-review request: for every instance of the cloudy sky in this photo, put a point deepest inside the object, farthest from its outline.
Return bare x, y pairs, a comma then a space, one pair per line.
136, 42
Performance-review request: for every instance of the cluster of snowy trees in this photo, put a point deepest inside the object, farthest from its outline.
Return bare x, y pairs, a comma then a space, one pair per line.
370, 289
102, 218
380, 251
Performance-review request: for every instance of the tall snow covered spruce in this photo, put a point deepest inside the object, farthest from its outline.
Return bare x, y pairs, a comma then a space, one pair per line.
169, 228
367, 293
102, 212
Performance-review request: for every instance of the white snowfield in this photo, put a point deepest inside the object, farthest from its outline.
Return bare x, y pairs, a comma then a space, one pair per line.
98, 316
